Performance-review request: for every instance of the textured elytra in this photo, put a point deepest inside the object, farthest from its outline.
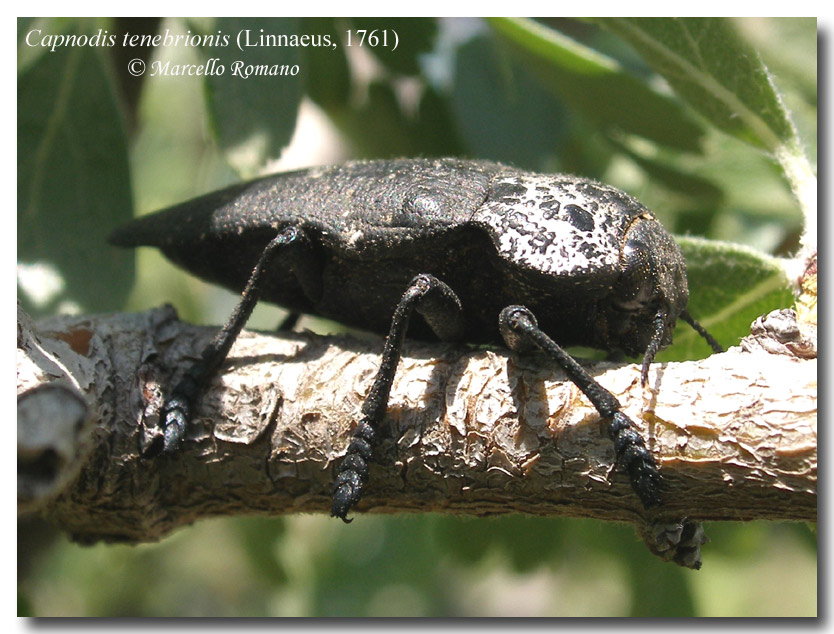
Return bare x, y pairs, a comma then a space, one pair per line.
558, 225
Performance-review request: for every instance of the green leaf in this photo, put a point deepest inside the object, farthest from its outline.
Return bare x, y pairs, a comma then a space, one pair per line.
788, 47
719, 74
254, 117
434, 128
722, 77
326, 71
380, 127
503, 113
39, 28
597, 87
699, 190
73, 184
729, 286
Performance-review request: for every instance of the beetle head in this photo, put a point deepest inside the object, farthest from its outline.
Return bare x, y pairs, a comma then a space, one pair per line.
651, 292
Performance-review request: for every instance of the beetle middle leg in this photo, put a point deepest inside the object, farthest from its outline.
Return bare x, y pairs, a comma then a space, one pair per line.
177, 410
441, 308
521, 332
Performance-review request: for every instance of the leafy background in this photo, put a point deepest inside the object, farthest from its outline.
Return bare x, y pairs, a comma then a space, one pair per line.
680, 113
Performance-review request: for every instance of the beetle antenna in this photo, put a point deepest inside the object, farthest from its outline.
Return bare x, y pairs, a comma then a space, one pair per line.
716, 347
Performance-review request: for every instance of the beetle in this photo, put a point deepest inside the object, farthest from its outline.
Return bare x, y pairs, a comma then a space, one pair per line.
484, 252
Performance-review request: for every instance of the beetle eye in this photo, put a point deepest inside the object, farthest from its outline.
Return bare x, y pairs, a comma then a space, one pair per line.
652, 286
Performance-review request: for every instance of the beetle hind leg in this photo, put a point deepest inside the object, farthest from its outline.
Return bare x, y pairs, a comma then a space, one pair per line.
521, 332
177, 410
441, 308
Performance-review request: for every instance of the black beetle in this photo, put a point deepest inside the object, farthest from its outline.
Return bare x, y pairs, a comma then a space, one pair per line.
483, 251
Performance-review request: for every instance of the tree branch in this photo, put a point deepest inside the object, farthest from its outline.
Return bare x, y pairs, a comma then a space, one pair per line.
467, 431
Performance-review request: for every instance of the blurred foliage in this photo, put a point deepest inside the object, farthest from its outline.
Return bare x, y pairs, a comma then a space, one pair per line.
625, 104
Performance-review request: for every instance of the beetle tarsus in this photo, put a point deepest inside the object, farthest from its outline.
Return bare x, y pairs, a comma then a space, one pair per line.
441, 309
636, 460
352, 473
678, 541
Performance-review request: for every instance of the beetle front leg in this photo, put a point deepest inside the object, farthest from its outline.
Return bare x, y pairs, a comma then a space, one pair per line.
442, 310
678, 541
521, 332
177, 410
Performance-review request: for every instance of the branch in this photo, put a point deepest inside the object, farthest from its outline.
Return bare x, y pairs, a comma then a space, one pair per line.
468, 430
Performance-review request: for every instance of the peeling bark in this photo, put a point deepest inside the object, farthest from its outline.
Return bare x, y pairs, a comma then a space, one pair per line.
468, 430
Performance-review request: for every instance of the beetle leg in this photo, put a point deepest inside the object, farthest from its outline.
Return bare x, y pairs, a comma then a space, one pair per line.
177, 409
521, 332
441, 309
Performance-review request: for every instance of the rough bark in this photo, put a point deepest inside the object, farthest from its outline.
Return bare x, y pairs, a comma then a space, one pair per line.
468, 430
